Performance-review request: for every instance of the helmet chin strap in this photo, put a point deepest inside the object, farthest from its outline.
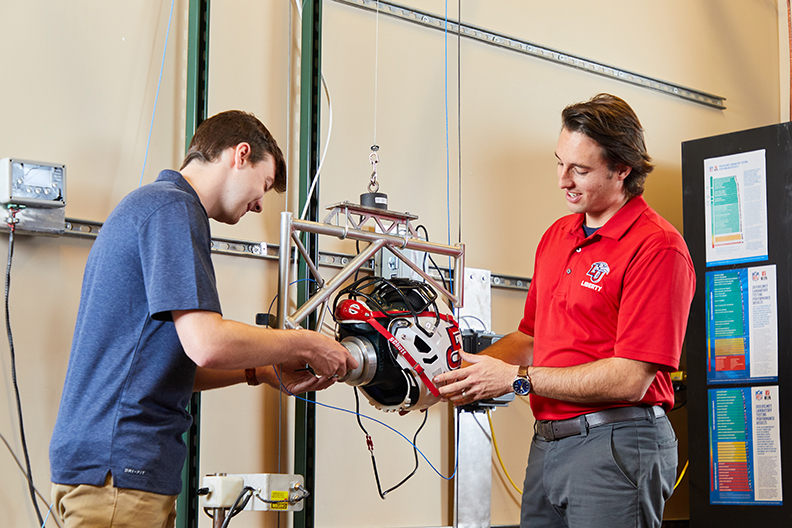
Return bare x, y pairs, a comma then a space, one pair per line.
406, 355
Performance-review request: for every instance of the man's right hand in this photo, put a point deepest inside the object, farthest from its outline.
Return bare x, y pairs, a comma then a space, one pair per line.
327, 357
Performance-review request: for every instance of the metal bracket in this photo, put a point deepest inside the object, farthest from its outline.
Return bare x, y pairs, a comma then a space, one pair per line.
501, 40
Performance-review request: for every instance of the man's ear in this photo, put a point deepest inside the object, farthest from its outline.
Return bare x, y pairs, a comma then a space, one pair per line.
242, 154
622, 171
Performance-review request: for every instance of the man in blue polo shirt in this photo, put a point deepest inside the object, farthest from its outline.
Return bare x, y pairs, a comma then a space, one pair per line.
150, 331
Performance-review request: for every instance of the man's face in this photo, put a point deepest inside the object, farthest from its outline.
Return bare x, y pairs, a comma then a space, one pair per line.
249, 184
583, 173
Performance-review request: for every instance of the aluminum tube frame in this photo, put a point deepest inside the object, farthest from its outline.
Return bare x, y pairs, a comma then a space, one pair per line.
333, 284
304, 252
283, 267
378, 241
426, 276
399, 242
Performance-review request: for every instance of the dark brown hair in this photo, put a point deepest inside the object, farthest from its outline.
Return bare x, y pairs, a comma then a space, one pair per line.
229, 129
611, 122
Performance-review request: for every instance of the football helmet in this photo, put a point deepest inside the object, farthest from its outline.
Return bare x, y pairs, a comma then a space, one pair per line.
401, 336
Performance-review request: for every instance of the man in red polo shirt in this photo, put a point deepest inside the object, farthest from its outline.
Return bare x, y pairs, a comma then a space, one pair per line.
603, 326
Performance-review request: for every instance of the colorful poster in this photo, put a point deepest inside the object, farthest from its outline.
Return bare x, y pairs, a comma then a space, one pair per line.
735, 218
745, 446
742, 325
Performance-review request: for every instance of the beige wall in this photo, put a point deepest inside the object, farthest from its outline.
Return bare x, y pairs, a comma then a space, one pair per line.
79, 89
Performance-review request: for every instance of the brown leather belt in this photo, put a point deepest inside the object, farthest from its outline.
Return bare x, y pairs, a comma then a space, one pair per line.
550, 430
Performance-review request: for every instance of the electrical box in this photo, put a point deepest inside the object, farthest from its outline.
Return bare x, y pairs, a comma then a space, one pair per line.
389, 266
32, 183
37, 190
275, 492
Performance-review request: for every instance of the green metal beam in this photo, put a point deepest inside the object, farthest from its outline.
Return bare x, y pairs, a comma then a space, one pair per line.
310, 100
188, 504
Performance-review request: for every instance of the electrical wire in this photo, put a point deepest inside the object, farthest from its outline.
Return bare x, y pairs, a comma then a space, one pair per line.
327, 139
497, 452
269, 310
681, 474
427, 255
456, 459
473, 317
22, 469
12, 221
244, 496
324, 153
12, 209
156, 98
370, 444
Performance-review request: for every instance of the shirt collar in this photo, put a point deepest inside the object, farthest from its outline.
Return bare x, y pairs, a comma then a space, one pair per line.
618, 225
173, 176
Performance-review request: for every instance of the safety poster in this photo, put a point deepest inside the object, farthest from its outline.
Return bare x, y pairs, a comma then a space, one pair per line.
745, 447
742, 325
735, 218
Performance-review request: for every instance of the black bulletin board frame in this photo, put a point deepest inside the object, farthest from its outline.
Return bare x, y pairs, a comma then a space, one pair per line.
776, 140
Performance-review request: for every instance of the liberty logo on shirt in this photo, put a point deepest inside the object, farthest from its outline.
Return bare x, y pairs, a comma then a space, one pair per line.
596, 272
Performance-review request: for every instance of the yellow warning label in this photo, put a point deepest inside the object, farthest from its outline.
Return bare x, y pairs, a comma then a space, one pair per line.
280, 496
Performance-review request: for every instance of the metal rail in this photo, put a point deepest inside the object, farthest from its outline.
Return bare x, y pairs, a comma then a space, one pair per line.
501, 40
263, 250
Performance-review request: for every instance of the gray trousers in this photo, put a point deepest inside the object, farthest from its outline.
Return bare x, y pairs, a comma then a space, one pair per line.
617, 476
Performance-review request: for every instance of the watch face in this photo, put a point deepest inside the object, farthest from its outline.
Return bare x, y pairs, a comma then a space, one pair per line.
521, 386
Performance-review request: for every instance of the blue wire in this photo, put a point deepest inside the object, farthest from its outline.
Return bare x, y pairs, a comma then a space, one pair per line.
456, 455
269, 311
156, 98
48, 514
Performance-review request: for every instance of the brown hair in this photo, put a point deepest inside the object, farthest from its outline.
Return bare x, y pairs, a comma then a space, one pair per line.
229, 129
611, 122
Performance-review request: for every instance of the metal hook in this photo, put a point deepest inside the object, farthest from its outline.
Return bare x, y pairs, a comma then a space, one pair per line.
373, 185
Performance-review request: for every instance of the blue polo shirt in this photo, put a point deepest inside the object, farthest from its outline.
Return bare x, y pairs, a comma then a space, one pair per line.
128, 382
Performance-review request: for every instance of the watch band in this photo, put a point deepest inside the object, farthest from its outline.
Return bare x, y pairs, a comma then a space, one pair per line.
250, 376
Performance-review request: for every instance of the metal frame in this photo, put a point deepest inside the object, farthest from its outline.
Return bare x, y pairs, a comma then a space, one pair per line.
352, 229
501, 40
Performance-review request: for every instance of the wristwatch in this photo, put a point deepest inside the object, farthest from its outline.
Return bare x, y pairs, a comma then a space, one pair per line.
522, 383
250, 377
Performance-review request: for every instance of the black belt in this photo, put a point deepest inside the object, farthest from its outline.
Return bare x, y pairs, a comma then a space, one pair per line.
550, 430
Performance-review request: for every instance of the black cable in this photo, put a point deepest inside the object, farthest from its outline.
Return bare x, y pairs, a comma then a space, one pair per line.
22, 469
357, 252
244, 496
436, 267
370, 444
12, 227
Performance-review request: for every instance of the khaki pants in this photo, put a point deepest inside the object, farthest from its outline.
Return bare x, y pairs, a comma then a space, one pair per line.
87, 506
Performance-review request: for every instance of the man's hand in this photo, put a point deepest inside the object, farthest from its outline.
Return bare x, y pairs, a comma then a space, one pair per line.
484, 377
293, 378
326, 356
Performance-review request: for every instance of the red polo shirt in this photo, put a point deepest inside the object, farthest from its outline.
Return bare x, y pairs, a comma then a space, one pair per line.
625, 291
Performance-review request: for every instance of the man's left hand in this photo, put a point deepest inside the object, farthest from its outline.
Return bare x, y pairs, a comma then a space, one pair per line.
483, 377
